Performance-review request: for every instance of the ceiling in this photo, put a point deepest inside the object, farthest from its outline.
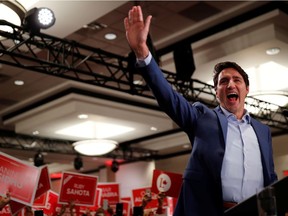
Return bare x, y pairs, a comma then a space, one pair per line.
217, 30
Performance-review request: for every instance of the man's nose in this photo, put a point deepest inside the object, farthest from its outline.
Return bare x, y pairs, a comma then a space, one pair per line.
231, 84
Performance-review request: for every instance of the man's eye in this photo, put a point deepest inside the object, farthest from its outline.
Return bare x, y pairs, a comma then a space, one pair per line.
223, 81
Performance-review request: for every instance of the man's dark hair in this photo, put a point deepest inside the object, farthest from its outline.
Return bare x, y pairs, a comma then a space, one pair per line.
223, 65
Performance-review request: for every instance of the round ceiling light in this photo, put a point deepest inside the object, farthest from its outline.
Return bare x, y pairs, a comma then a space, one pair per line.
273, 51
95, 147
110, 36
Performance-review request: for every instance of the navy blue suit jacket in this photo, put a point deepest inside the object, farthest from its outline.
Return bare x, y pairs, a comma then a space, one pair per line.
201, 192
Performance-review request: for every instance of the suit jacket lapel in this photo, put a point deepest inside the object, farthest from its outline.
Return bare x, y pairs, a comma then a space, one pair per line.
223, 122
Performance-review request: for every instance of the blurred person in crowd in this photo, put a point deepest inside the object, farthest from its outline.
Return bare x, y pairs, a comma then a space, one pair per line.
4, 200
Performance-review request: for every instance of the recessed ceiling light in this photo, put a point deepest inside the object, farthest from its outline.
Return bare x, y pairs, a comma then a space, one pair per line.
138, 82
19, 82
35, 132
153, 129
82, 116
186, 146
273, 51
110, 36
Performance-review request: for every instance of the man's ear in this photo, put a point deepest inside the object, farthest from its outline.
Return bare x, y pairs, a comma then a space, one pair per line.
216, 93
247, 89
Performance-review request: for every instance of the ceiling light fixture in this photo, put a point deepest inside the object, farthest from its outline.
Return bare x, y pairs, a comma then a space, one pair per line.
19, 82
110, 36
273, 51
153, 128
83, 116
95, 147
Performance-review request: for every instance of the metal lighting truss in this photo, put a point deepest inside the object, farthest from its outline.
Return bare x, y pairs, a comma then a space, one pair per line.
11, 140
71, 60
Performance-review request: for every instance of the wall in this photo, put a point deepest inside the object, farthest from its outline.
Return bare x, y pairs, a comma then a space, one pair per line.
134, 175
280, 149
175, 164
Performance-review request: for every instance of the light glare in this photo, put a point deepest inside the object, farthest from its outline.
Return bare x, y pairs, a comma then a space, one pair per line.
92, 130
45, 16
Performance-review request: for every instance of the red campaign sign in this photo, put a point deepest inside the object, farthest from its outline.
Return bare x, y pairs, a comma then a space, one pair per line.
126, 201
79, 188
15, 207
6, 210
126, 208
98, 197
167, 182
18, 178
138, 194
52, 201
41, 201
110, 192
44, 183
94, 208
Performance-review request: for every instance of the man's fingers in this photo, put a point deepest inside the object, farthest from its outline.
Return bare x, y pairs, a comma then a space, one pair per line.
126, 23
147, 23
135, 15
139, 14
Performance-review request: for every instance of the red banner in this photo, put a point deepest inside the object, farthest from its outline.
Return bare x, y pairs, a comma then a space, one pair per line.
138, 194
6, 210
126, 207
41, 201
110, 193
44, 183
98, 197
15, 207
79, 188
52, 200
167, 182
18, 178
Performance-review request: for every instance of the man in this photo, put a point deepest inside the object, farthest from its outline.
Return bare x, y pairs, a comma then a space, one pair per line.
232, 154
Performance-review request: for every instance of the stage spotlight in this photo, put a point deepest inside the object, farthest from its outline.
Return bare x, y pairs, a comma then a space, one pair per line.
78, 162
38, 18
115, 166
38, 159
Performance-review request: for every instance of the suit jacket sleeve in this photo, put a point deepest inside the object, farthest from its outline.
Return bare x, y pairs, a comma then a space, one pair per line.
173, 103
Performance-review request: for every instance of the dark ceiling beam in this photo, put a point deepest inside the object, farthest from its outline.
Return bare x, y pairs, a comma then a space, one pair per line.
244, 17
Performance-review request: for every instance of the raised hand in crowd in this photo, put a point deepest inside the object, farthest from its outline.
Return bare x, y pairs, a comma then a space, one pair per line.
4, 200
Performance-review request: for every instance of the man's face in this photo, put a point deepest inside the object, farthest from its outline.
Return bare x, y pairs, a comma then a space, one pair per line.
231, 91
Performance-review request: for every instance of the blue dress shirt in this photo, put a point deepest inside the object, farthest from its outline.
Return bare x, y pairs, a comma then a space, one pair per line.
242, 172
